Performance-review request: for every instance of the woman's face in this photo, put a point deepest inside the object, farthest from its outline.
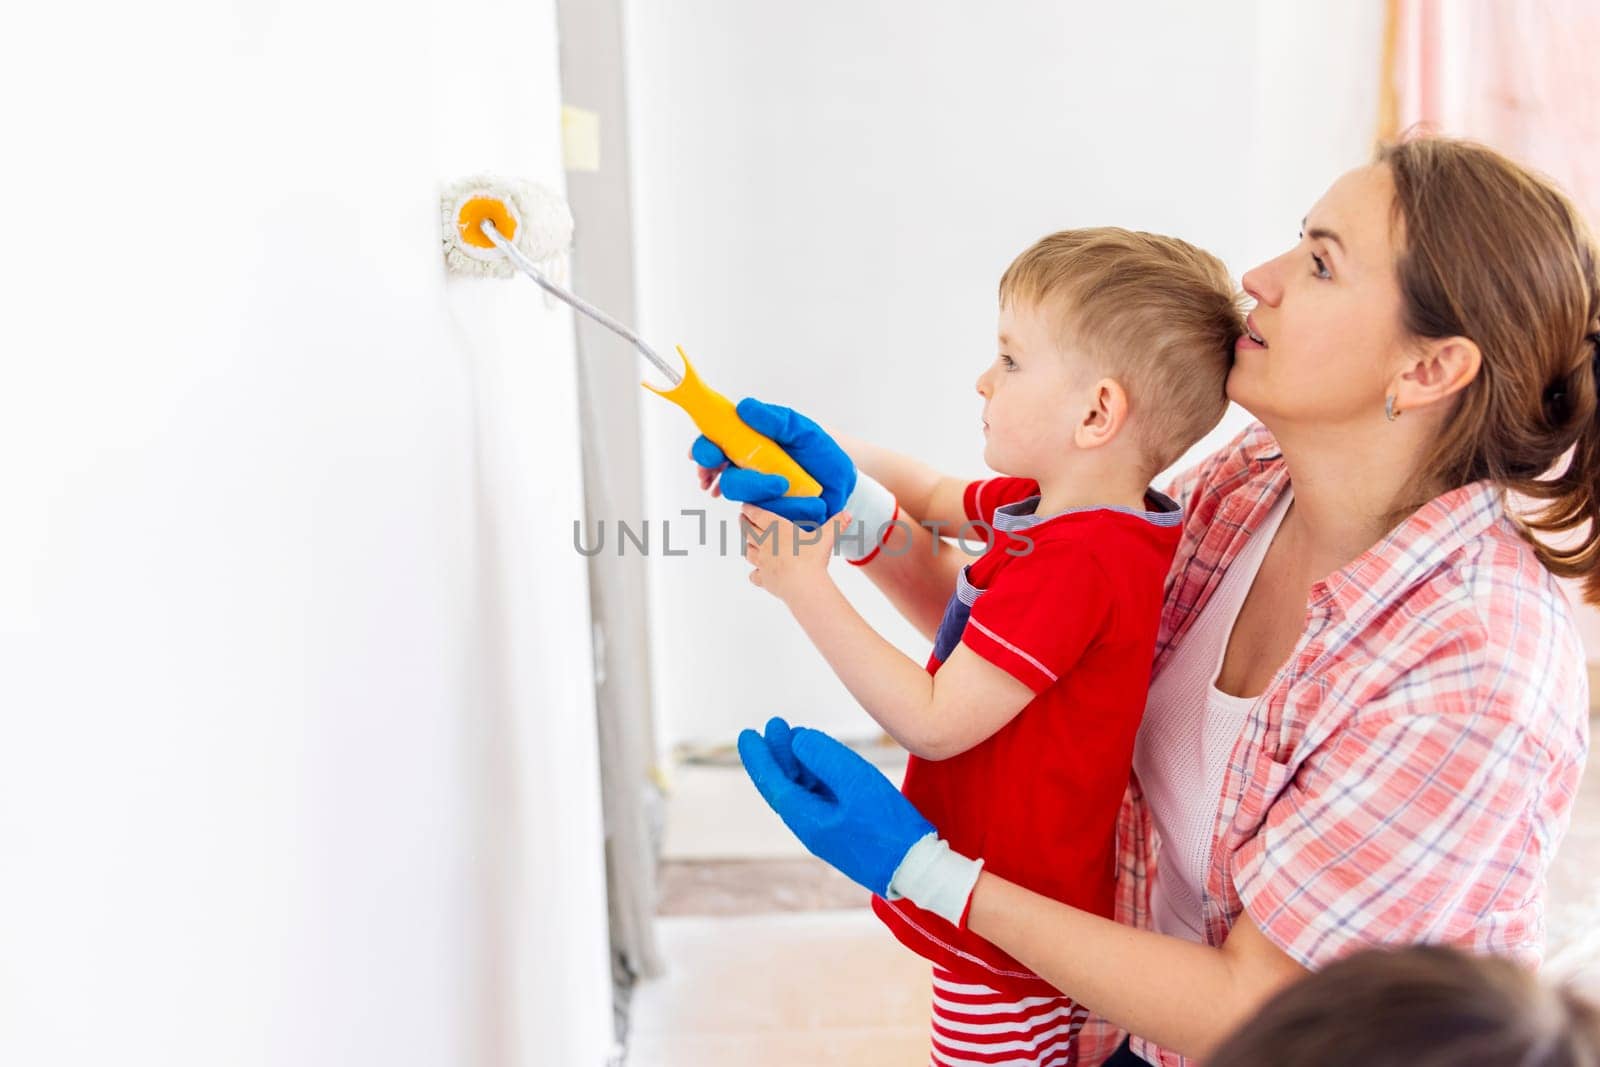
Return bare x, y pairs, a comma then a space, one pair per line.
1328, 312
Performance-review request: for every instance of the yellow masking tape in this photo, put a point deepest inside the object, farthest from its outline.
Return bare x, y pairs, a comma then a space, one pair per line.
580, 139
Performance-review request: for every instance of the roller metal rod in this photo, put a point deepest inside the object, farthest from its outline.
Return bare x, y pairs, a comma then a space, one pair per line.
527, 267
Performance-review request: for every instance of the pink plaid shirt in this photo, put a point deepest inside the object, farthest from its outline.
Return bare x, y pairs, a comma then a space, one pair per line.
1408, 773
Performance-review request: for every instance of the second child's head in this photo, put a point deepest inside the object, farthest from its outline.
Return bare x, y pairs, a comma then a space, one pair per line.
1113, 343
1420, 1006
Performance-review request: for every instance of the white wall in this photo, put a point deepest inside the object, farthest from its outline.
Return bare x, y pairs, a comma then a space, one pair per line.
297, 762
828, 193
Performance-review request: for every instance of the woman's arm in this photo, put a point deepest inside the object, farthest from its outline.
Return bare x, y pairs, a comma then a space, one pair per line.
914, 569
1181, 995
924, 492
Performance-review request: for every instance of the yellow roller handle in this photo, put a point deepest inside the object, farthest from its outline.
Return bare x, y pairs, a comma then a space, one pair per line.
718, 420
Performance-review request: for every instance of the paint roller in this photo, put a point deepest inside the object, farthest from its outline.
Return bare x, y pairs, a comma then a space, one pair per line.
496, 226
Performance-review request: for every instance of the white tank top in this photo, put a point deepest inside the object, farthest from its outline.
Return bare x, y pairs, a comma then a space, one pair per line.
1185, 739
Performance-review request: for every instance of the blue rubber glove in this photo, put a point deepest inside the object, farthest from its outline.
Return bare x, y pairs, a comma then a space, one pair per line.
807, 443
840, 806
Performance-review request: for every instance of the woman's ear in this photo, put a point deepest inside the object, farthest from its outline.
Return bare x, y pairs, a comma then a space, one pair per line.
1439, 369
1108, 410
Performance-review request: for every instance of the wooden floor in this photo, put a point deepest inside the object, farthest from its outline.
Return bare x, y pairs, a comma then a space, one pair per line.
753, 887
798, 989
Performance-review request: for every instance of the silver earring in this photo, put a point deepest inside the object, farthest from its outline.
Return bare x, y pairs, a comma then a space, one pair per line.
1388, 408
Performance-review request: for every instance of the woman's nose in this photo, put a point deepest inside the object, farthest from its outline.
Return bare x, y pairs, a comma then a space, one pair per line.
1262, 282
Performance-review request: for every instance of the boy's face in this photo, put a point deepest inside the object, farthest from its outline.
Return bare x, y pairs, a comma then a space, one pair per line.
1030, 392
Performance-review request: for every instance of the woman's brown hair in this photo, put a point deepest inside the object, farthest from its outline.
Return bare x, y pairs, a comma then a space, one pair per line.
1423, 1006
1499, 255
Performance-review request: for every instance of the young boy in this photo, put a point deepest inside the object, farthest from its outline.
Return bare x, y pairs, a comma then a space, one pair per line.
1113, 350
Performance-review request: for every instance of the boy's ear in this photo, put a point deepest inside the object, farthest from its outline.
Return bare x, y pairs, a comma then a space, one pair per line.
1108, 410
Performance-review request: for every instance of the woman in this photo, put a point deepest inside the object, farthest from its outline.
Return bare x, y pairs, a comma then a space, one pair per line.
1368, 711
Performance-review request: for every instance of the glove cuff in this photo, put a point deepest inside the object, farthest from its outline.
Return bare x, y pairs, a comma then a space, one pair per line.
935, 879
873, 511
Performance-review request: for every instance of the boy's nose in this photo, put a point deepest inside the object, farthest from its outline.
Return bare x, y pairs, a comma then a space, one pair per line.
983, 384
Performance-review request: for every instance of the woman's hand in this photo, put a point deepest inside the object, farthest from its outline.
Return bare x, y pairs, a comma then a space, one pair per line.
807, 444
840, 806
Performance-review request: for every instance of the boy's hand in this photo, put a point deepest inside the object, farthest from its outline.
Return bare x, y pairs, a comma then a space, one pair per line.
785, 558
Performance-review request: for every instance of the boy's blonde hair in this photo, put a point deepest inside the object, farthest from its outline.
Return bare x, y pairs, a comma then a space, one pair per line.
1156, 313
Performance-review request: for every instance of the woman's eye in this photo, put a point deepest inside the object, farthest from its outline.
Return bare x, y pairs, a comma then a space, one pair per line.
1322, 268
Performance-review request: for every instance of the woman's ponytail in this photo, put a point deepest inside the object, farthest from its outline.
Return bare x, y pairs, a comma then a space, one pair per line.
1498, 254
1571, 499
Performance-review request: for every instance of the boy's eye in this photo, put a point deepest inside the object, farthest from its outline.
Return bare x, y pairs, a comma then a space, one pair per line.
1322, 268
1007, 361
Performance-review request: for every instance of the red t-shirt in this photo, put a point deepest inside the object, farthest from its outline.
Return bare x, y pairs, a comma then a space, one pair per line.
1069, 605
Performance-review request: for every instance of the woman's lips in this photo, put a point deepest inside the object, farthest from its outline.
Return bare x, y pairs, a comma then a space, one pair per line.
1252, 337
